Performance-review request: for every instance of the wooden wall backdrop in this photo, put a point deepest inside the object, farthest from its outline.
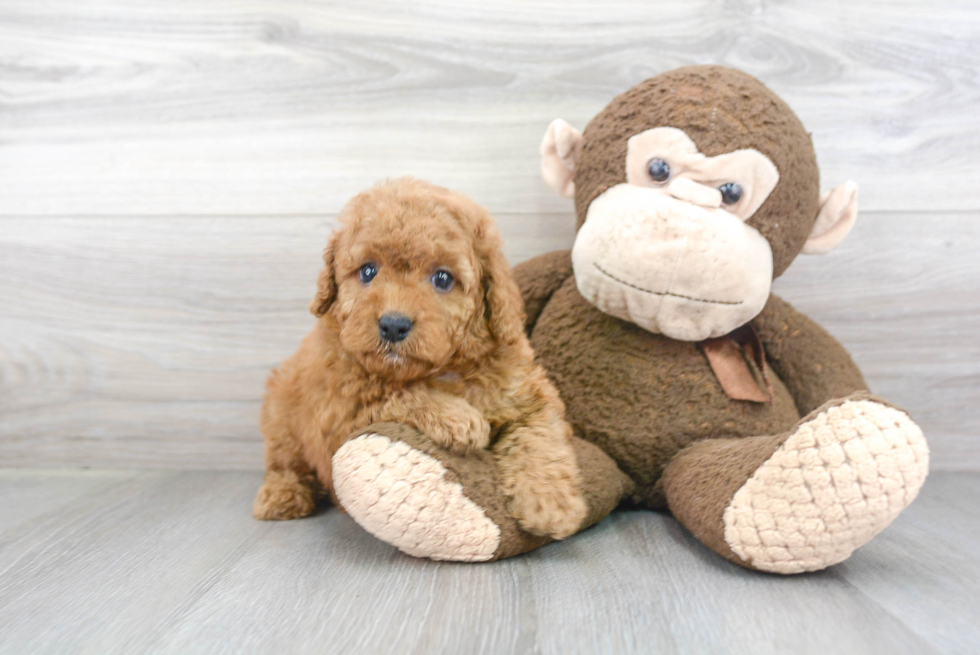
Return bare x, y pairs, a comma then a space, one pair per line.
169, 172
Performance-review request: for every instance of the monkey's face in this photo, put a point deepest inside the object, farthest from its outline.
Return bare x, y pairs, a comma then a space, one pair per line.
693, 190
669, 249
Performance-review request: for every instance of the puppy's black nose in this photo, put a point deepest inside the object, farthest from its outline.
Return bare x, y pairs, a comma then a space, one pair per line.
394, 327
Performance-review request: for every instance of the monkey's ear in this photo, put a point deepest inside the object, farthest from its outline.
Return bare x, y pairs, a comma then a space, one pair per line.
326, 284
559, 150
838, 213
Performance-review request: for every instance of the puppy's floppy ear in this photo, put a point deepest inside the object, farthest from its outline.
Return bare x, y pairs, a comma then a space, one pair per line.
503, 305
326, 284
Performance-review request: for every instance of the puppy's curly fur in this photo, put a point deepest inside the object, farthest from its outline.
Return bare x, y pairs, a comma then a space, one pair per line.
464, 375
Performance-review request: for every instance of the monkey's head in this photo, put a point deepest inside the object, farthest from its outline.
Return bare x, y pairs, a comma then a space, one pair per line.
693, 191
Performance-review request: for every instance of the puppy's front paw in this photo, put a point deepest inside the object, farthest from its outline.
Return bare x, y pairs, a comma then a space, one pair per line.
283, 496
460, 427
552, 508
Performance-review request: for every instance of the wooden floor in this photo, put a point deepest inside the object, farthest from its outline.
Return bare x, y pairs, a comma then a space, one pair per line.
169, 173
172, 562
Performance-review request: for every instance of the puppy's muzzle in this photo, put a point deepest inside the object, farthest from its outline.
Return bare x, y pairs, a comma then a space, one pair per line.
394, 327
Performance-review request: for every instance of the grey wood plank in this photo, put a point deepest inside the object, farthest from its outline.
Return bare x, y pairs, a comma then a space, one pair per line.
902, 294
924, 569
26, 494
133, 342
627, 586
174, 325
642, 567
108, 569
289, 107
327, 582
44, 513
174, 563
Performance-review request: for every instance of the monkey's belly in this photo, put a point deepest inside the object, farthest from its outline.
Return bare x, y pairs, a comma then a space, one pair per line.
640, 396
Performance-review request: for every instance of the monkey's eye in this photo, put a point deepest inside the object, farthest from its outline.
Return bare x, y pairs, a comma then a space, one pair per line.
659, 170
443, 280
730, 193
367, 272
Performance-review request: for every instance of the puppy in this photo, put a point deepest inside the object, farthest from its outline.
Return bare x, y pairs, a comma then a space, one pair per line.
419, 322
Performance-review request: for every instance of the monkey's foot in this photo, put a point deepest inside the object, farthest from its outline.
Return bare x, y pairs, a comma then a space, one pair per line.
425, 500
805, 500
402, 496
837, 481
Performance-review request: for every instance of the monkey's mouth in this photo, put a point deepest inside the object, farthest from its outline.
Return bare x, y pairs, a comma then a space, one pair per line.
664, 293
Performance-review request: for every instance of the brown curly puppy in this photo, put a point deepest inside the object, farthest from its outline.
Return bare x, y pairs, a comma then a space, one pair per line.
420, 322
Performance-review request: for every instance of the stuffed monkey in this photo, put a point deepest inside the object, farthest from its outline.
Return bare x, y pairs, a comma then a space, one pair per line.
690, 386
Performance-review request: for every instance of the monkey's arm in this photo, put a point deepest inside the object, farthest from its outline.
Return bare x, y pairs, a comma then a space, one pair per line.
812, 364
540, 277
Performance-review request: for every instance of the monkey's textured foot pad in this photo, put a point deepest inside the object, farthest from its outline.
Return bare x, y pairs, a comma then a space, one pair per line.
401, 496
835, 483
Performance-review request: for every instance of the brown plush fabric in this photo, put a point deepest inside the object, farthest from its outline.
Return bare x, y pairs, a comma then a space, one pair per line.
653, 403
538, 279
861, 394
812, 364
477, 472
702, 478
603, 485
642, 397
721, 110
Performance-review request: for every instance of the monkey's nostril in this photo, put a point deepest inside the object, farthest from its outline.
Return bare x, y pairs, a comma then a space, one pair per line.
394, 327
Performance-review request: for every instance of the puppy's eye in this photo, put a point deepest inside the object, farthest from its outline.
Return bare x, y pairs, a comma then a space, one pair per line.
658, 169
730, 193
367, 273
443, 280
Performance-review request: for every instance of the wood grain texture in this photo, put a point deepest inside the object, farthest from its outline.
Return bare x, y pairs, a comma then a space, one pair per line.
273, 107
136, 342
169, 562
923, 572
170, 172
26, 495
